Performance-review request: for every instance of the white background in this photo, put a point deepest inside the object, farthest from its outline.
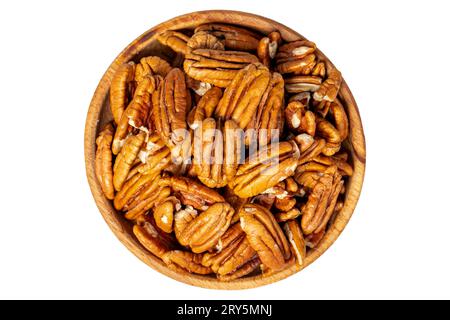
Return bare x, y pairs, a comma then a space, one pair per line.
395, 58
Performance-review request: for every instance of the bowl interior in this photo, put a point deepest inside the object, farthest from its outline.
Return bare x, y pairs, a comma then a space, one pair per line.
99, 114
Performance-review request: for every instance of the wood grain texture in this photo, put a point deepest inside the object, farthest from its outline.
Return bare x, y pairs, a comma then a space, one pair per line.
99, 114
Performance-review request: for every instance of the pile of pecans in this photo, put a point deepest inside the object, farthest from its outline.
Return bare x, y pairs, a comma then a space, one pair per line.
228, 159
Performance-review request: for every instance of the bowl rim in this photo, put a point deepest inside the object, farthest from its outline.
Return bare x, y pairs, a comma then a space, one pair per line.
122, 229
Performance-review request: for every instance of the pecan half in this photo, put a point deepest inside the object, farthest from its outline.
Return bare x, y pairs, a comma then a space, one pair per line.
217, 153
125, 159
185, 261
205, 40
216, 67
192, 192
121, 88
267, 47
205, 107
103, 161
152, 65
267, 122
265, 169
205, 230
321, 202
170, 108
177, 41
234, 38
265, 236
136, 114
299, 84
295, 238
235, 251
242, 97
154, 241
296, 57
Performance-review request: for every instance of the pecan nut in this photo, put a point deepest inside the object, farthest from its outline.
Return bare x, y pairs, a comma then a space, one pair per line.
121, 89
329, 89
217, 154
265, 169
216, 67
149, 236
176, 41
185, 261
234, 38
205, 40
164, 213
103, 161
205, 107
299, 119
150, 66
295, 238
296, 57
205, 230
242, 97
265, 236
192, 192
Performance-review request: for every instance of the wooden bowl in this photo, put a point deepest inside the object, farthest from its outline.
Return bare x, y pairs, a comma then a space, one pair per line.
99, 114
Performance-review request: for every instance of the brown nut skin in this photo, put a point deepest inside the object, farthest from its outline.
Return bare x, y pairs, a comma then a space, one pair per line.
327, 131
340, 118
125, 159
205, 40
185, 261
216, 67
103, 161
205, 230
300, 84
182, 219
151, 238
147, 203
242, 97
265, 236
270, 165
244, 270
121, 88
177, 41
289, 215
150, 66
295, 238
234, 38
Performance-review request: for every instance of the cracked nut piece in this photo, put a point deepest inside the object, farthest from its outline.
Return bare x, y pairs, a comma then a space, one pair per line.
295, 238
329, 89
216, 67
270, 165
126, 158
150, 66
267, 48
121, 88
300, 120
185, 261
176, 41
265, 236
103, 161
267, 122
242, 97
164, 212
217, 154
154, 241
234, 38
192, 192
205, 230
205, 40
